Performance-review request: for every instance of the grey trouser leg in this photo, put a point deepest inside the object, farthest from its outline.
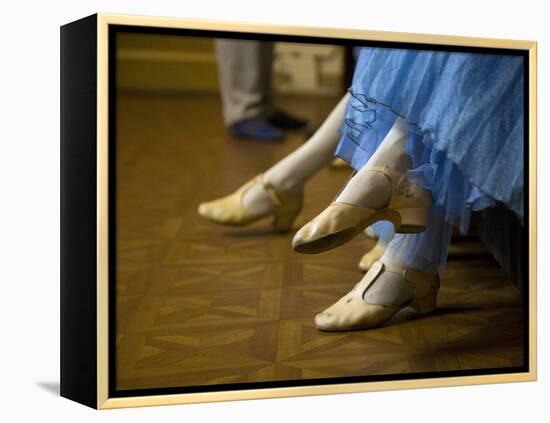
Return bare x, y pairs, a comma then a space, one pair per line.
244, 69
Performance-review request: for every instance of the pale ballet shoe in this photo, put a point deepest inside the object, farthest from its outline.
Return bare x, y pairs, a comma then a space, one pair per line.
339, 163
230, 211
408, 210
370, 234
351, 312
371, 257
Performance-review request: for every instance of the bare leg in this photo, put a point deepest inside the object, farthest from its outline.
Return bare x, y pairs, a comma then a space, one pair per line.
369, 189
279, 191
291, 173
426, 252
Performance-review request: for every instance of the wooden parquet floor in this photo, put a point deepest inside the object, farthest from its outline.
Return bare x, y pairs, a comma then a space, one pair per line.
201, 304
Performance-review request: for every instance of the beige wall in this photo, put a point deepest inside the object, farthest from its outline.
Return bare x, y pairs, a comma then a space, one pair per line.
167, 63
308, 68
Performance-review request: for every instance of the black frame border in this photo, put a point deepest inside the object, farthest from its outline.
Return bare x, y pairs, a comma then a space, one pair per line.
78, 211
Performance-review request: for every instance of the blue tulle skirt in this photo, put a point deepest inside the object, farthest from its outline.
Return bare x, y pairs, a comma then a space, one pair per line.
466, 126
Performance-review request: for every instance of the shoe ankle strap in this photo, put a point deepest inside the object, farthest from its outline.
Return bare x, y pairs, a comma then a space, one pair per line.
394, 175
378, 268
387, 171
270, 191
403, 271
394, 269
381, 169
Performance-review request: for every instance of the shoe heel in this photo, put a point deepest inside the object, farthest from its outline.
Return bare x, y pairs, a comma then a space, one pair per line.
425, 304
284, 216
282, 222
412, 220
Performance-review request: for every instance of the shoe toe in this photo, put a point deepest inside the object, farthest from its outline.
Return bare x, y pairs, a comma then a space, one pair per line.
300, 237
301, 242
310, 232
364, 264
314, 238
204, 209
334, 226
215, 212
370, 258
325, 321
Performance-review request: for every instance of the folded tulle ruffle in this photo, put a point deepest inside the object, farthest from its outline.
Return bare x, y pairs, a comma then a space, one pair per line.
465, 113
367, 123
465, 117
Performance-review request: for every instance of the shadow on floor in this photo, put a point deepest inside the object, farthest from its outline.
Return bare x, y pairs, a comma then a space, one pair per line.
51, 387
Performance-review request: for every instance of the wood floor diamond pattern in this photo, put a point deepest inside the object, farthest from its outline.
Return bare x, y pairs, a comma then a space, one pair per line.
198, 303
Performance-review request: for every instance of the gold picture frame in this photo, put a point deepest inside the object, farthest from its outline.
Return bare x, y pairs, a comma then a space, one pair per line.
86, 379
